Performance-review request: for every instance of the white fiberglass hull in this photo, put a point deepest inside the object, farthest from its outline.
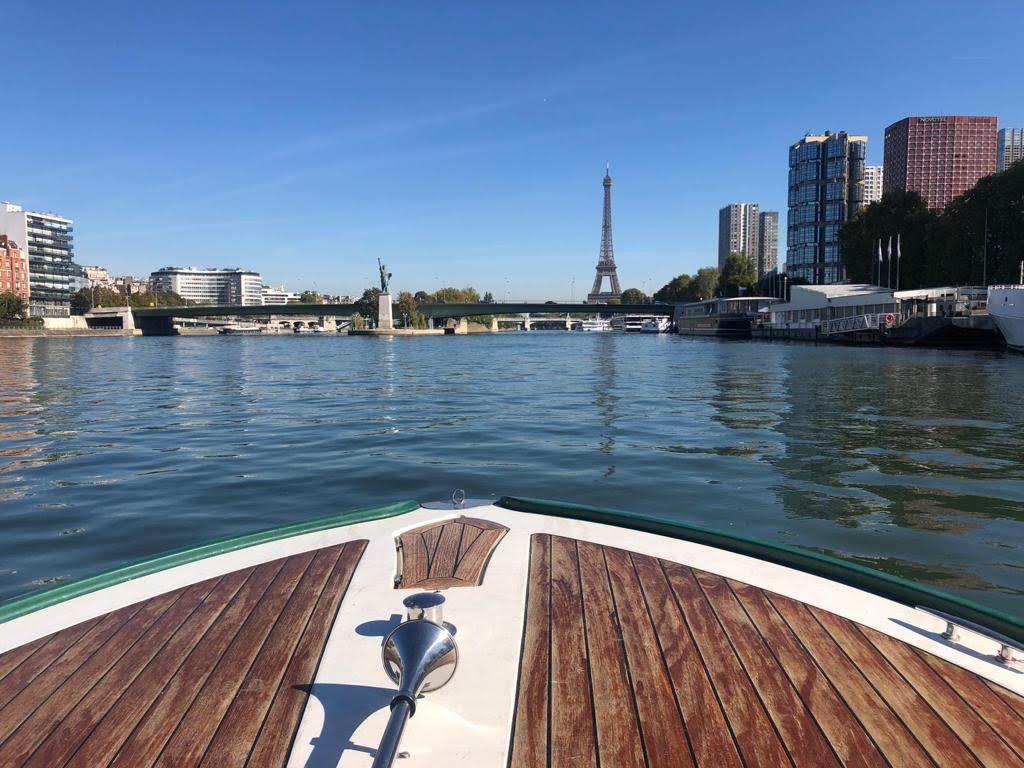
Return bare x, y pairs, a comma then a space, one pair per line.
1006, 306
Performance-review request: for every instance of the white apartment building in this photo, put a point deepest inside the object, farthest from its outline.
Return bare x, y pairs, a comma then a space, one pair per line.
872, 184
211, 286
278, 296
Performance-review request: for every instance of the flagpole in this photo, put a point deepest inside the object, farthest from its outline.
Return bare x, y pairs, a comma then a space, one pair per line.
888, 264
899, 259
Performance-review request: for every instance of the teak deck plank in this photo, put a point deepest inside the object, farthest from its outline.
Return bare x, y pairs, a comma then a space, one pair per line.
571, 698
801, 733
887, 730
218, 670
934, 734
530, 733
664, 735
448, 553
710, 737
618, 731
60, 701
848, 738
279, 726
103, 742
756, 736
241, 723
658, 659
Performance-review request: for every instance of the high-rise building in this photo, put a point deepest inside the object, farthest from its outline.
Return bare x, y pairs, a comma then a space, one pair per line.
1010, 147
826, 174
13, 269
211, 286
872, 184
738, 225
767, 257
46, 238
939, 158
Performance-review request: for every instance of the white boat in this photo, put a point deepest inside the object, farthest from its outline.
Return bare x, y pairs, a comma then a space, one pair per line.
1006, 307
596, 325
240, 329
628, 323
302, 329
656, 325
508, 633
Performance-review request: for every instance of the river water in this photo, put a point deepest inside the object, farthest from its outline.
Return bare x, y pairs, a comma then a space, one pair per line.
910, 461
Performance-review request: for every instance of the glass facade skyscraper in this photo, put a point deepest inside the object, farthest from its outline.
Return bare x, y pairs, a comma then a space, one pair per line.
826, 174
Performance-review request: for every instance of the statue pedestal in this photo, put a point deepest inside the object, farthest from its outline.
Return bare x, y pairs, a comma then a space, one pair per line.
384, 319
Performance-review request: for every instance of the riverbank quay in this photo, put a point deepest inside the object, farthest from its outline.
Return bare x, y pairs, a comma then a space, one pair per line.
41, 332
868, 314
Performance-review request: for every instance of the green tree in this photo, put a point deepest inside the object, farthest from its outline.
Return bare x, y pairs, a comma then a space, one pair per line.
369, 303
633, 296
310, 297
12, 306
153, 299
488, 298
898, 212
408, 307
422, 297
738, 274
457, 296
705, 283
679, 288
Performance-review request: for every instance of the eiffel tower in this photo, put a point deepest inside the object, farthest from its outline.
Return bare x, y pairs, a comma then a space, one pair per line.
606, 261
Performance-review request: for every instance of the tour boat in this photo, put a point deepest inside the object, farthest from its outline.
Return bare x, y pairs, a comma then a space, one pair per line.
596, 325
509, 633
240, 330
628, 323
728, 318
302, 329
1006, 307
656, 325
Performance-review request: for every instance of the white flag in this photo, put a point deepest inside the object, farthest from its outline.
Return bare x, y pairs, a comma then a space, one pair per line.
898, 256
888, 250
879, 250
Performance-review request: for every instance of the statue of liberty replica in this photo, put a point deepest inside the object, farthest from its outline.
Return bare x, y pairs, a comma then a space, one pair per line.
385, 322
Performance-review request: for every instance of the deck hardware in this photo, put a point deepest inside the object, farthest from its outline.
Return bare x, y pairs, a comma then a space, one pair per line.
458, 498
1009, 649
419, 655
425, 605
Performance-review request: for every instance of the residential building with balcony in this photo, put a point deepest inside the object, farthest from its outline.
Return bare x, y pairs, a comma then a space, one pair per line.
47, 240
210, 286
14, 276
826, 175
939, 158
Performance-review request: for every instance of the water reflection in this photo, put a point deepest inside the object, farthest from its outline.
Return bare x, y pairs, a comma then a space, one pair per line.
908, 460
604, 394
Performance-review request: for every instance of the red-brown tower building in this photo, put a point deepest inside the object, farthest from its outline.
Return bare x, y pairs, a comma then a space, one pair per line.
13, 269
939, 157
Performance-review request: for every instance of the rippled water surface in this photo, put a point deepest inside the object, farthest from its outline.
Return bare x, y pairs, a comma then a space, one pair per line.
911, 461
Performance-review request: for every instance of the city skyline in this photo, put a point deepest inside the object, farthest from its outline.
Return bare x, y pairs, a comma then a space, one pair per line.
309, 169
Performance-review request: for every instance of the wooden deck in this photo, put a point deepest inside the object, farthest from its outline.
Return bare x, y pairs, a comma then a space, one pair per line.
452, 553
213, 674
632, 661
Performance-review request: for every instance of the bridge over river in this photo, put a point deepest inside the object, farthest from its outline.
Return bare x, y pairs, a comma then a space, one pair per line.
159, 320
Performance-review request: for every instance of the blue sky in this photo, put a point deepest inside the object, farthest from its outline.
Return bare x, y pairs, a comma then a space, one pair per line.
463, 143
